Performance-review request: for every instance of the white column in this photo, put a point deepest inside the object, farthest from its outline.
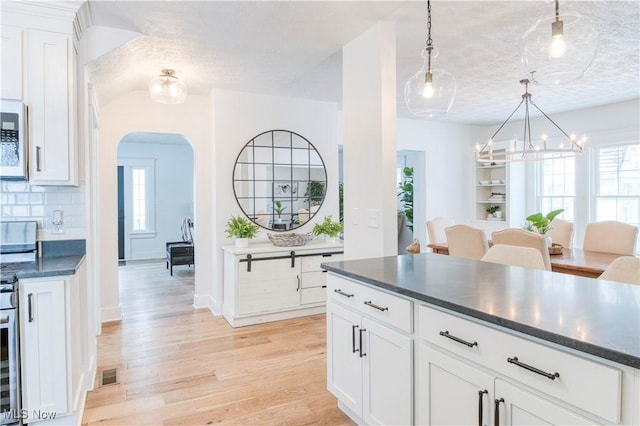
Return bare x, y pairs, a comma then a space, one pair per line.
369, 105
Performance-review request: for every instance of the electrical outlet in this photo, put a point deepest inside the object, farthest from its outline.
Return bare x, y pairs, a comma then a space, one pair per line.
372, 218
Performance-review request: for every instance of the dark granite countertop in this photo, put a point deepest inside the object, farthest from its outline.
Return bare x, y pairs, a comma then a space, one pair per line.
51, 266
598, 317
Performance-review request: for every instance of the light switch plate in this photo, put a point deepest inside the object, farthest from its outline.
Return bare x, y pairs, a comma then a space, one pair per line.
372, 218
355, 216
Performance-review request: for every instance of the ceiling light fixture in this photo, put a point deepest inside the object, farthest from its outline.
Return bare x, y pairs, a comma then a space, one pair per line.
167, 89
559, 49
526, 149
431, 91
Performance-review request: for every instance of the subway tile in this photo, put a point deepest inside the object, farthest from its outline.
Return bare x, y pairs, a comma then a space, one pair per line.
7, 211
58, 198
36, 199
20, 211
7, 198
35, 188
22, 198
37, 211
17, 187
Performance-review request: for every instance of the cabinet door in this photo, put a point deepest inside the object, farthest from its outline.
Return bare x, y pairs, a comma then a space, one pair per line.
43, 345
11, 65
387, 375
344, 365
271, 285
48, 98
451, 392
519, 407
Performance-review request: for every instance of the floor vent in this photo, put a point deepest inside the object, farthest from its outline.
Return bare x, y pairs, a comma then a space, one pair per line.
109, 377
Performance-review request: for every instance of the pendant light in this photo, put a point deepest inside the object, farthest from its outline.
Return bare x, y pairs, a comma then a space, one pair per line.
559, 49
431, 91
527, 149
167, 89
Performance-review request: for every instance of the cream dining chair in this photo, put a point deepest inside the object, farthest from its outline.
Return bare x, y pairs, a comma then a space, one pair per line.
561, 232
435, 229
466, 241
527, 257
611, 237
625, 269
520, 237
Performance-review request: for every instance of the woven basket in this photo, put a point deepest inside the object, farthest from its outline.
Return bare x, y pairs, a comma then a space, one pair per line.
555, 249
290, 240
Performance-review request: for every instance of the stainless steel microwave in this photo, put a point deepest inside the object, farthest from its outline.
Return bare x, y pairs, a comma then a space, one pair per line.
13, 140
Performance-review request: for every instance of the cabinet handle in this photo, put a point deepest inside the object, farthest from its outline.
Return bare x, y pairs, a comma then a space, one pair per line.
362, 330
298, 277
342, 293
38, 169
481, 405
373, 305
551, 376
293, 258
457, 339
30, 306
249, 262
353, 338
496, 417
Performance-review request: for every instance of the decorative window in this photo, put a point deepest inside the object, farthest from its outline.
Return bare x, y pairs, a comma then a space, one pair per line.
139, 199
558, 186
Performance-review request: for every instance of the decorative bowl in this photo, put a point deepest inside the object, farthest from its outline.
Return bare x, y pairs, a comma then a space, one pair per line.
485, 182
555, 249
495, 182
290, 240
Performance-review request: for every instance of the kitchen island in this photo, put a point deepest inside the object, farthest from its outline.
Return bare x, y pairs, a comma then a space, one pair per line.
428, 338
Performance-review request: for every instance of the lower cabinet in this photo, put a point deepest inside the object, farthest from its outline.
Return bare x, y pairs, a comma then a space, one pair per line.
44, 347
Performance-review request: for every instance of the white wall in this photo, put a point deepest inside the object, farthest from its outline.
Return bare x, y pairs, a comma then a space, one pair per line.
173, 193
136, 112
239, 117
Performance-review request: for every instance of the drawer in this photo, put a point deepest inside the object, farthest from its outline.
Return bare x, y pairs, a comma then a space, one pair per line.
586, 384
377, 304
313, 295
313, 279
312, 263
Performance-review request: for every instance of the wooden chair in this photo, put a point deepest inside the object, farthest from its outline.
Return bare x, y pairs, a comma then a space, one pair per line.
466, 241
561, 232
625, 269
611, 237
522, 238
435, 229
527, 257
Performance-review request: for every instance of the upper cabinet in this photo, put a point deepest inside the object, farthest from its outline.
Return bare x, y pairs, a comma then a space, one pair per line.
38, 68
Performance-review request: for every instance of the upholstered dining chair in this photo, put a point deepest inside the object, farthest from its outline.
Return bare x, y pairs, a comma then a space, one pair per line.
527, 257
625, 269
435, 229
611, 237
520, 237
466, 241
561, 232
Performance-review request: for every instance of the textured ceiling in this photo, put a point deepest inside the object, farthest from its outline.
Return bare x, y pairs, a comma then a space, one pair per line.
294, 49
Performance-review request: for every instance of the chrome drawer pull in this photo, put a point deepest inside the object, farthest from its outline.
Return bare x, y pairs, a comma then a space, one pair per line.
551, 376
353, 339
481, 405
457, 339
373, 305
362, 330
342, 293
496, 408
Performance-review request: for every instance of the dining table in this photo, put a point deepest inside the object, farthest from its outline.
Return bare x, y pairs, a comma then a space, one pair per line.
584, 263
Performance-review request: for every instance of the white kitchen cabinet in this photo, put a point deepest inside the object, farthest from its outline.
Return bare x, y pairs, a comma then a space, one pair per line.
268, 283
11, 64
369, 361
50, 98
44, 346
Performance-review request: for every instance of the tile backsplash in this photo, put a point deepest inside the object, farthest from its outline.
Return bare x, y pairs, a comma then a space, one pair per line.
23, 201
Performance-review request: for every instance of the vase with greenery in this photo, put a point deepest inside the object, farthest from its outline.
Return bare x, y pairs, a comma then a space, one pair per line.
314, 194
406, 195
328, 227
539, 223
242, 229
491, 210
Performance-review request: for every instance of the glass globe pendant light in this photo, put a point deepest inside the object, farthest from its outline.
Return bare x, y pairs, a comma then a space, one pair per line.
167, 89
559, 49
431, 91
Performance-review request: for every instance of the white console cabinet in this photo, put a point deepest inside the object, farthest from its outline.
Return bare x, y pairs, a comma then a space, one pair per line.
267, 283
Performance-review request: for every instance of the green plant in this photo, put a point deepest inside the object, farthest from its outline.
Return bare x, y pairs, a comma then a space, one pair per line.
327, 227
241, 227
341, 201
314, 193
406, 195
540, 223
279, 208
492, 209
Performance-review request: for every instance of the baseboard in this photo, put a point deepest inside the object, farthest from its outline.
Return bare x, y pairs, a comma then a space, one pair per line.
110, 314
200, 301
214, 306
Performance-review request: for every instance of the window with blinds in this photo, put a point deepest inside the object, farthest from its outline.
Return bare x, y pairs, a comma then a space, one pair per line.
557, 187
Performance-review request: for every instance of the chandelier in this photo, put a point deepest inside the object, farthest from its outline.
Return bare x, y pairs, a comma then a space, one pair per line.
430, 92
527, 149
560, 48
167, 89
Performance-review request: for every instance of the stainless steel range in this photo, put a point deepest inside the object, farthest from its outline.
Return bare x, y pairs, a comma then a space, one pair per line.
17, 249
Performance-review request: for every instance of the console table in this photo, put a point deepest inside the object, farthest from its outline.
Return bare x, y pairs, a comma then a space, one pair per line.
179, 253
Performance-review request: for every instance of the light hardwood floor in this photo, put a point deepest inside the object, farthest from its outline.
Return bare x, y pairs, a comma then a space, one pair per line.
182, 366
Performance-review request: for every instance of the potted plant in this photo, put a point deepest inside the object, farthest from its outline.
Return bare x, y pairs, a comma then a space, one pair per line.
328, 228
406, 195
242, 229
492, 210
314, 193
279, 209
539, 223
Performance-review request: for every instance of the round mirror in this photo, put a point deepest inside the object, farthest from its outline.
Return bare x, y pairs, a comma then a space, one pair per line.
279, 180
